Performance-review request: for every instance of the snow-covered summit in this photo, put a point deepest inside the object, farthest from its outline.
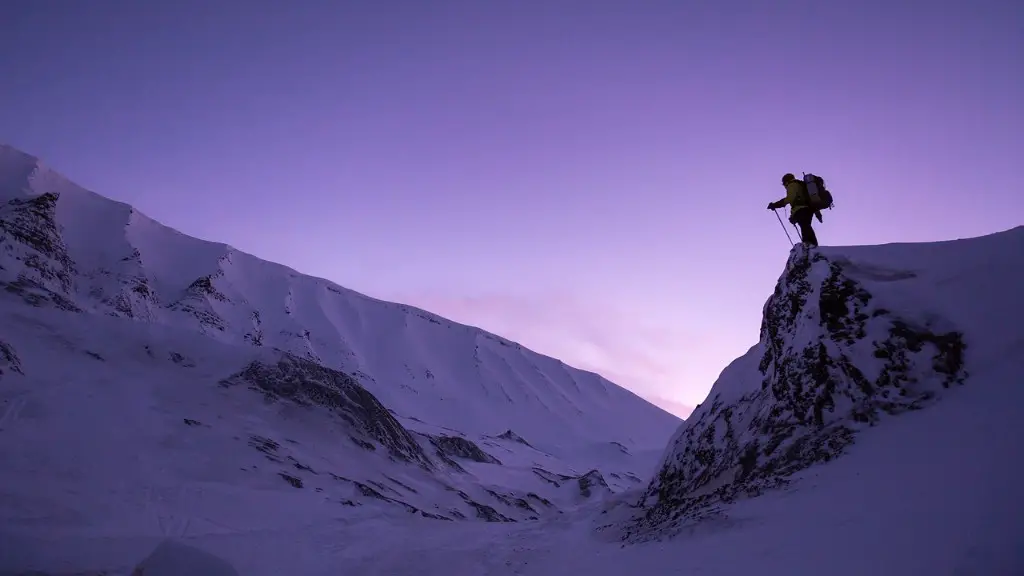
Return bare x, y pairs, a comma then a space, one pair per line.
69, 247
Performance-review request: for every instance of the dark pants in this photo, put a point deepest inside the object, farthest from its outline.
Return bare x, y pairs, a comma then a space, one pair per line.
802, 218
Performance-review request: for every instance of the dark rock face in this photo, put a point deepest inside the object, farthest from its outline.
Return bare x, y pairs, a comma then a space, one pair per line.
296, 482
255, 336
510, 435
125, 290
586, 483
308, 383
540, 499
267, 446
197, 302
833, 361
483, 511
9, 360
552, 478
30, 234
134, 300
369, 492
488, 513
590, 481
458, 447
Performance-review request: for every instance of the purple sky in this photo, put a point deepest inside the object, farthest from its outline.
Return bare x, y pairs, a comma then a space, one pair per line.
588, 177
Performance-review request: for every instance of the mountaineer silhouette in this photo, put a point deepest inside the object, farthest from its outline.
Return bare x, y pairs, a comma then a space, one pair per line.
805, 198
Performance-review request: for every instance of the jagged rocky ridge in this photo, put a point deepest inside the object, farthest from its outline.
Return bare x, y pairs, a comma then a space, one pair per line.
510, 435
831, 360
42, 272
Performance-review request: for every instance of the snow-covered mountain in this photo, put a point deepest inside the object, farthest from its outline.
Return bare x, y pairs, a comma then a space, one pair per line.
164, 398
81, 251
154, 370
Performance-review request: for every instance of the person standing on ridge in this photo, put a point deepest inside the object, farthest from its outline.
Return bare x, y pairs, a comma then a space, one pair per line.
800, 208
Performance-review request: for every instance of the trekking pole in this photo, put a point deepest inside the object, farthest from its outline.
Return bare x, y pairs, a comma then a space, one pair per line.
788, 237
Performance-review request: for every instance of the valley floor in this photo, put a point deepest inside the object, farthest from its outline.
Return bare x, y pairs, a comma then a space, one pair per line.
933, 492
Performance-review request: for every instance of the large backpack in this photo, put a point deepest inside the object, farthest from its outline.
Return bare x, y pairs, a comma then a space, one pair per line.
819, 197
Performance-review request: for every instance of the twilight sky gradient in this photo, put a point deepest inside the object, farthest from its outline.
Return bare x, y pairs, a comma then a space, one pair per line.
588, 177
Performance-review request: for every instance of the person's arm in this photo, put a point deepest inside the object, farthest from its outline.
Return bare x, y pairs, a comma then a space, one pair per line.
792, 190
779, 203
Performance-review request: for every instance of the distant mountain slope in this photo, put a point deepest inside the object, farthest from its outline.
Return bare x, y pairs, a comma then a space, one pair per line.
154, 385
77, 250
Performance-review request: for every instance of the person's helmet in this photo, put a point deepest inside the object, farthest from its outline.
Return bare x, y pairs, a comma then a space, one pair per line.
787, 178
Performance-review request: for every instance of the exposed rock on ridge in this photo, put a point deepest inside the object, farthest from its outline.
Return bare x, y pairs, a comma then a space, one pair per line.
9, 360
832, 361
308, 383
43, 271
458, 447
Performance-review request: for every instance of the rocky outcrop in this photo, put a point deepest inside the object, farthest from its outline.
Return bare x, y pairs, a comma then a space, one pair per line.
308, 383
198, 303
459, 447
9, 361
587, 484
38, 267
483, 511
592, 482
510, 435
832, 360
553, 478
121, 288
255, 336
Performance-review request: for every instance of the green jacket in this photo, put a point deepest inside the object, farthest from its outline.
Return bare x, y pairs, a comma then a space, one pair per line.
796, 197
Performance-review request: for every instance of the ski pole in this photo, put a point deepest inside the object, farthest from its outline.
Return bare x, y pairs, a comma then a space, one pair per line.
788, 237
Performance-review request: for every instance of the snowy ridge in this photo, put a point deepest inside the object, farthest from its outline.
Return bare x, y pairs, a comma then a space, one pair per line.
242, 378
80, 251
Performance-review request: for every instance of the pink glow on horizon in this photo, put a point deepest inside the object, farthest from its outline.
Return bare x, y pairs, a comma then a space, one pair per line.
645, 359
